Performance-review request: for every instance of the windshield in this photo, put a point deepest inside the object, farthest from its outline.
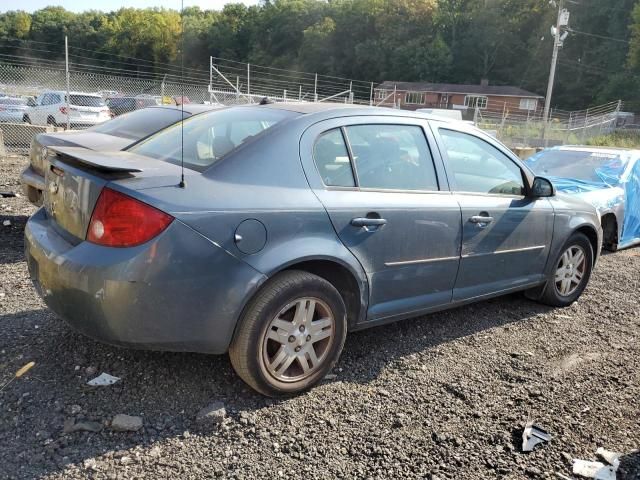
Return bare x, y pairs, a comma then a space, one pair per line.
210, 136
140, 123
595, 167
86, 101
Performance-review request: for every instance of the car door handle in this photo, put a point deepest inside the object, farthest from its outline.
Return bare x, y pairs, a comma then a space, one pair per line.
368, 222
480, 219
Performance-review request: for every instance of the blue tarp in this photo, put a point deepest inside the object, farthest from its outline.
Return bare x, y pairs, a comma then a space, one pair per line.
578, 171
631, 185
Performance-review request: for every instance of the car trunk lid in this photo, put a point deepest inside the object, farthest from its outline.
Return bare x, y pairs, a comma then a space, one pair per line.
76, 176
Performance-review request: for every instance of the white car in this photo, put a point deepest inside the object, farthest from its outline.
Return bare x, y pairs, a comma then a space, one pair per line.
85, 109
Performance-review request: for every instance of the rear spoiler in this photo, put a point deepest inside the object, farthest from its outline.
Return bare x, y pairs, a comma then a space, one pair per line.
114, 162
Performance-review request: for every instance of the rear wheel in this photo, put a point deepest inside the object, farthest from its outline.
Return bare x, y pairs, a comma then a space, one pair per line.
291, 334
26, 119
51, 120
571, 274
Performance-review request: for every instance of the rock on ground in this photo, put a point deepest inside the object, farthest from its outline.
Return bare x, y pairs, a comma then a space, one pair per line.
213, 414
126, 423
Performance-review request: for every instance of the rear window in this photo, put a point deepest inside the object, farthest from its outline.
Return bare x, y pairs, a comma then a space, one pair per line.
140, 123
13, 101
210, 136
86, 101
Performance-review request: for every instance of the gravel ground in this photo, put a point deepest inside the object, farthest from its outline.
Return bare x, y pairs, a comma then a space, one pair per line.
444, 396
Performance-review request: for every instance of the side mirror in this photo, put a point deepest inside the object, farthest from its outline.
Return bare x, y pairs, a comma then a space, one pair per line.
542, 188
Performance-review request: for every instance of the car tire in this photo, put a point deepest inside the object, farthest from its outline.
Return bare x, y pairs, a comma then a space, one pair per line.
26, 119
296, 319
571, 272
51, 121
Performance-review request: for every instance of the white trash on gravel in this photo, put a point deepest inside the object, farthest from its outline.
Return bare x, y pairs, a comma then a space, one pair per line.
595, 470
598, 470
532, 436
103, 380
612, 458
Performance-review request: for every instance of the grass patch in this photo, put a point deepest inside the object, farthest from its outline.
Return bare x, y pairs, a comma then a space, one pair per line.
617, 139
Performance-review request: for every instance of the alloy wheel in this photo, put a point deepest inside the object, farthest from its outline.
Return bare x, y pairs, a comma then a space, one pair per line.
570, 270
298, 339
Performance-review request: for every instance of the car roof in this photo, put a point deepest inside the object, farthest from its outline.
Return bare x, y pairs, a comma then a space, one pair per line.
339, 109
63, 92
192, 108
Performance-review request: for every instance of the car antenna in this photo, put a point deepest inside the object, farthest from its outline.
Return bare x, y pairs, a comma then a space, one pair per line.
182, 183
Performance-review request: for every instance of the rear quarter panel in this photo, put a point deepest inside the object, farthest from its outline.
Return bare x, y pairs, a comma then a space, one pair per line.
262, 181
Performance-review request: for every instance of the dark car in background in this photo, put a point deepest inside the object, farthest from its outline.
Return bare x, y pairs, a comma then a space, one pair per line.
121, 105
115, 134
294, 224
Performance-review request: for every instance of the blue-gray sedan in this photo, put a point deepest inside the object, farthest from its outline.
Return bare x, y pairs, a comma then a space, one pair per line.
293, 224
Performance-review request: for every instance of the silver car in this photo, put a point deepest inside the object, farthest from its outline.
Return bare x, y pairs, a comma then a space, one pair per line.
608, 178
292, 224
13, 109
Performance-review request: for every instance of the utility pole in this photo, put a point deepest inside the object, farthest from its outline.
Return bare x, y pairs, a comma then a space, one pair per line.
66, 68
558, 40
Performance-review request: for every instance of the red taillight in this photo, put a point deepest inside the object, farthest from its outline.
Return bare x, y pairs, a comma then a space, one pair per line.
63, 110
121, 221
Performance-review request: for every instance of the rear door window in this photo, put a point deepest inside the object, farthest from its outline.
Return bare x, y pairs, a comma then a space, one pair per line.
332, 159
394, 157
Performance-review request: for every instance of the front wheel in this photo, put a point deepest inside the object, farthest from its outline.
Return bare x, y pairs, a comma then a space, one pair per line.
291, 334
571, 274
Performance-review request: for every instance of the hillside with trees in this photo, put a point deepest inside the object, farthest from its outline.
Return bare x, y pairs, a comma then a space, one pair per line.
454, 41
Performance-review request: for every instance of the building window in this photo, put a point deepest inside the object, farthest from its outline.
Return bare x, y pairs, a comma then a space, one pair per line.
414, 98
528, 104
475, 101
381, 94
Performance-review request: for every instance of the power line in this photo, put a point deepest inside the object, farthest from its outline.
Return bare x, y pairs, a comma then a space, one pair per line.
591, 70
603, 37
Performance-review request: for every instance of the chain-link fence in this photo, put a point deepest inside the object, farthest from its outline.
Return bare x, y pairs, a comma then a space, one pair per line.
518, 128
33, 98
237, 83
33, 93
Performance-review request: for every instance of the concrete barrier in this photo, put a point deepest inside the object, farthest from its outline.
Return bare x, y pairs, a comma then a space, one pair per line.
524, 152
19, 135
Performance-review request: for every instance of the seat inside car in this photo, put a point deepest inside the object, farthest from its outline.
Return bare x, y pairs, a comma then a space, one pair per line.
331, 161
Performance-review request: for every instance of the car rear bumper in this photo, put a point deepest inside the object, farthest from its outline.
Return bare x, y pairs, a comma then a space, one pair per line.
32, 185
178, 292
85, 120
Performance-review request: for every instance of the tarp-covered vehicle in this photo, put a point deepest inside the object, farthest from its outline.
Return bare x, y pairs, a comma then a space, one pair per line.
608, 178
